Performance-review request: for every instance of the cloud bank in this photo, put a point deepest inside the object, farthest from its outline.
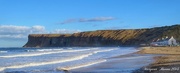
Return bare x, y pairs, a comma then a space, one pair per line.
21, 32
18, 32
96, 19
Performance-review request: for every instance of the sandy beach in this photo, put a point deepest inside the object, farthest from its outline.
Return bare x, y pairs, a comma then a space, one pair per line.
126, 63
168, 60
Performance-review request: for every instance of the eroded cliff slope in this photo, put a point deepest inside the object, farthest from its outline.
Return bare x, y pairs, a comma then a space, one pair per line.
126, 37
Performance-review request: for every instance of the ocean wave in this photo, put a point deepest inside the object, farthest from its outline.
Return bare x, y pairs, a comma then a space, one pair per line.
49, 62
3, 51
1, 69
103, 50
81, 65
41, 53
43, 50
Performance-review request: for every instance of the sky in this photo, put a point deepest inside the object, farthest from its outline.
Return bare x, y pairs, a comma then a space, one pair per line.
19, 18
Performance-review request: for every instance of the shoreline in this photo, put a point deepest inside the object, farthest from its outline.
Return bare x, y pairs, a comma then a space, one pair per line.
127, 63
168, 60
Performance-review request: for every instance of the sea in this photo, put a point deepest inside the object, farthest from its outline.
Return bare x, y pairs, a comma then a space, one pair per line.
71, 60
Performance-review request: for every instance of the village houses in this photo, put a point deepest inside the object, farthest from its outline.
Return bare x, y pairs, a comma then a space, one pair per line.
164, 42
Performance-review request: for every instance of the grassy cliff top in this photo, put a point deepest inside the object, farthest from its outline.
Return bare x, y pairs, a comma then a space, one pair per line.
147, 34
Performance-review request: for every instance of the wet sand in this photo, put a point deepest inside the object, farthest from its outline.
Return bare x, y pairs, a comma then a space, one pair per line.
119, 64
168, 62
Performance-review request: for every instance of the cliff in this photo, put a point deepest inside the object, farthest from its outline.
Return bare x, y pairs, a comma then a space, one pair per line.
125, 37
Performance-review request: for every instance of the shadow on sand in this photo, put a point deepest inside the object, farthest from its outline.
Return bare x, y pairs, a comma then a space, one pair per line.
66, 71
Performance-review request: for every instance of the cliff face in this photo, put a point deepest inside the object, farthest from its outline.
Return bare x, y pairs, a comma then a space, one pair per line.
129, 37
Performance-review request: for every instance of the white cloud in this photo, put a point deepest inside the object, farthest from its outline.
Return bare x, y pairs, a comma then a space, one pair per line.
22, 32
65, 31
13, 32
13, 29
37, 29
16, 36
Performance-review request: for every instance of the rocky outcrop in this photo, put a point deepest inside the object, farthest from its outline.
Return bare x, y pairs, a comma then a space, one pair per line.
126, 37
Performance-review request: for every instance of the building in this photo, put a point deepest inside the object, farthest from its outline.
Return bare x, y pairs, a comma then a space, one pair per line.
164, 42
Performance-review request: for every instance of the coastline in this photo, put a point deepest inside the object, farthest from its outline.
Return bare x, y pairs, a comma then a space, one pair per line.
144, 60
166, 61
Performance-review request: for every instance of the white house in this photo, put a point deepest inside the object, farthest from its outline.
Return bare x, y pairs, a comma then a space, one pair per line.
164, 42
172, 41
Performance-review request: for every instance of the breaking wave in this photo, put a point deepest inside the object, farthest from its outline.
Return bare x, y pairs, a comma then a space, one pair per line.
43, 50
41, 53
103, 50
46, 63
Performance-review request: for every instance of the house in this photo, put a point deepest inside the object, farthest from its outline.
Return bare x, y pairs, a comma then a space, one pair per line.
164, 42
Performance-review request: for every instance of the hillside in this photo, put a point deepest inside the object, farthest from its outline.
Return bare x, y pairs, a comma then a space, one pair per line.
125, 37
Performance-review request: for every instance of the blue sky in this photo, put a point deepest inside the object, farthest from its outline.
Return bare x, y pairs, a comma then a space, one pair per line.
18, 18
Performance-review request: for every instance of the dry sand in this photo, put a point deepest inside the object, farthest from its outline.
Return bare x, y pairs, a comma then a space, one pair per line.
169, 62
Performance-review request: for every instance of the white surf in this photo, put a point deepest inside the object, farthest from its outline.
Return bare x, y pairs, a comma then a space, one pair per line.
103, 50
41, 53
46, 63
